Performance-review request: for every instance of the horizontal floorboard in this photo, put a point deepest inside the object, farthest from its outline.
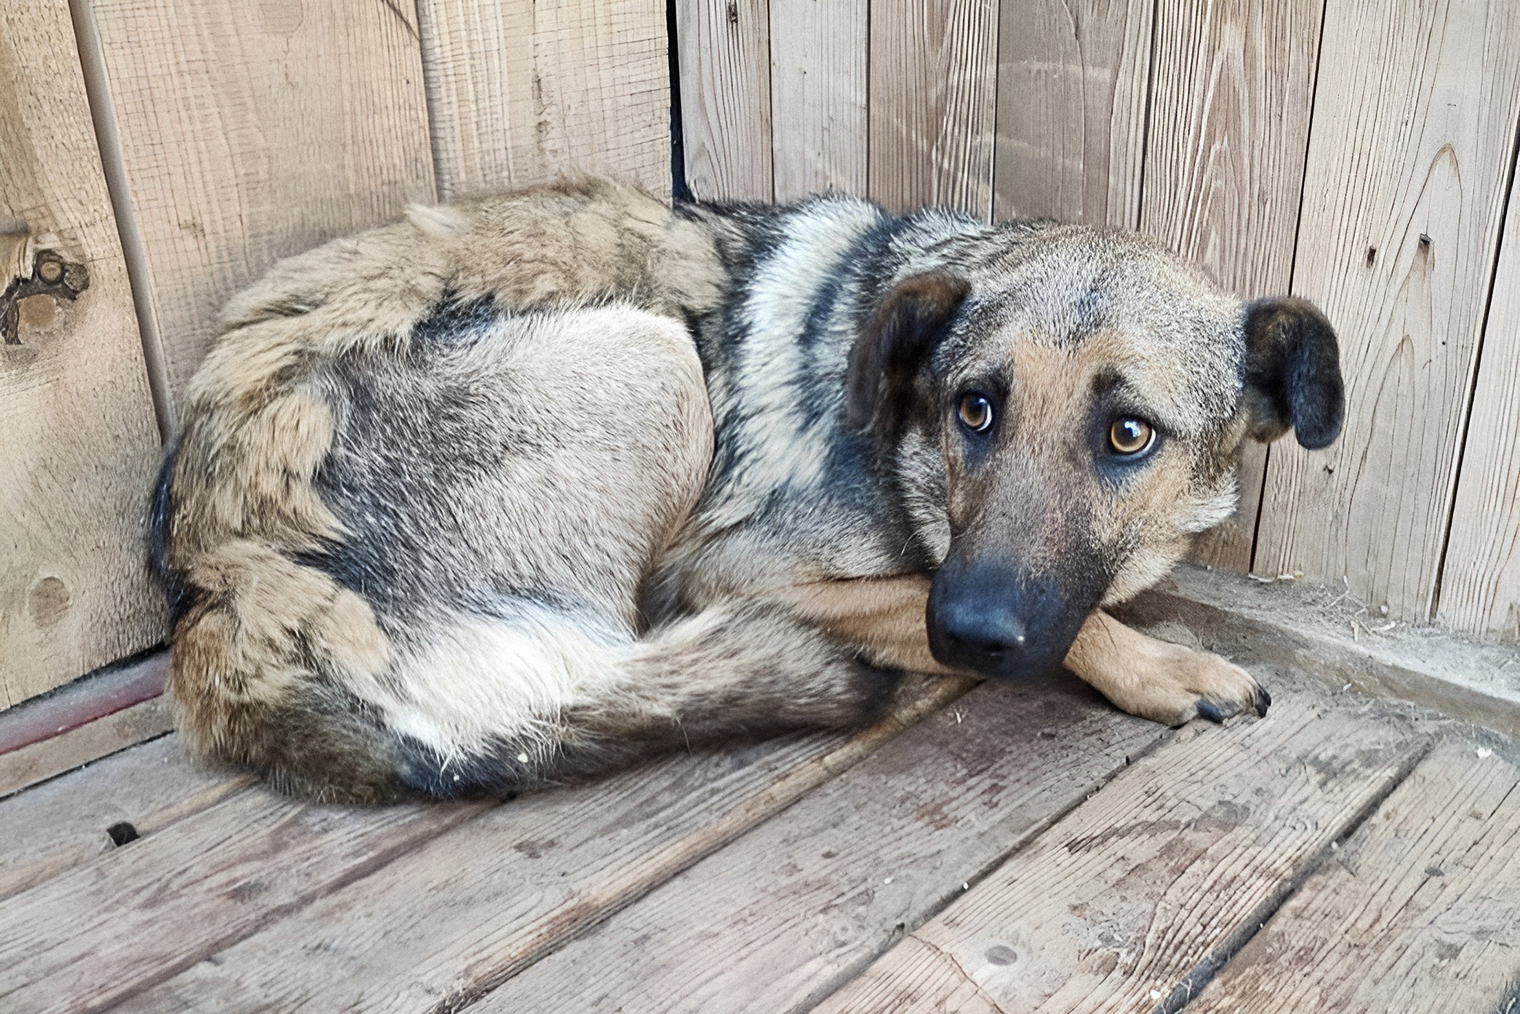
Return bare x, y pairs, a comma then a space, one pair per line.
95, 934
436, 928
1142, 890
785, 914
62, 823
1419, 910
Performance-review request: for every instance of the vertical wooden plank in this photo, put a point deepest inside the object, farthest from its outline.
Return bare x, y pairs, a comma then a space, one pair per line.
1408, 158
1232, 88
253, 131
80, 443
1072, 81
725, 57
1480, 585
523, 91
818, 96
933, 91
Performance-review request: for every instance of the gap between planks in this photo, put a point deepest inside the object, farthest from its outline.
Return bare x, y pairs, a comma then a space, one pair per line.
142, 913
1136, 897
779, 918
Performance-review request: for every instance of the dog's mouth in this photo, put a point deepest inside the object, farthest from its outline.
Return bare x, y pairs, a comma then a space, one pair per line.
992, 620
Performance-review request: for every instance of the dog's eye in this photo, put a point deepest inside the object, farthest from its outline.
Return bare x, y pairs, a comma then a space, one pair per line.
1130, 436
975, 412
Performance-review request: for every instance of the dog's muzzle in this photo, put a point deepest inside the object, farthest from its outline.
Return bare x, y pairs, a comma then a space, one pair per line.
988, 618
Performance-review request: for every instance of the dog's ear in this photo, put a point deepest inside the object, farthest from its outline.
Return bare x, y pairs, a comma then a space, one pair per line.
895, 341
1293, 372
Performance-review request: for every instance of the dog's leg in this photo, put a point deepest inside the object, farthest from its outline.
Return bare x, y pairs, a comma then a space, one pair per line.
883, 617
1158, 680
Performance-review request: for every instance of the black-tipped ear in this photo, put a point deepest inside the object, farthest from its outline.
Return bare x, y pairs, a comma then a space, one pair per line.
1293, 372
895, 341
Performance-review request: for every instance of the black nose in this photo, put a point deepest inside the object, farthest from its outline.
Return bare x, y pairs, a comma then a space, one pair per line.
978, 635
990, 619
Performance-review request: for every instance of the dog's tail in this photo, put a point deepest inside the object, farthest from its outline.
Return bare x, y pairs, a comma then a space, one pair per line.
278, 673
265, 653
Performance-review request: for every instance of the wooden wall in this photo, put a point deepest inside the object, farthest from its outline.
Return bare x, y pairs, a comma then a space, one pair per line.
1358, 152
186, 145
1361, 153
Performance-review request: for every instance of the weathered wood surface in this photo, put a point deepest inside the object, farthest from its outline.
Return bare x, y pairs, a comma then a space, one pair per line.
79, 439
1480, 580
107, 928
818, 96
1071, 109
66, 751
440, 926
83, 701
1154, 880
782, 917
1418, 911
254, 131
521, 92
53, 827
725, 59
1402, 199
933, 103
1232, 85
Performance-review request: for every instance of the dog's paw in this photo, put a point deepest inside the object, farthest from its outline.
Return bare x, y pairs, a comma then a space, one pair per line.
1180, 684
1171, 684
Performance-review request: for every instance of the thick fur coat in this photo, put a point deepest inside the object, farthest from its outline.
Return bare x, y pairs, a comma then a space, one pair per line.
523, 488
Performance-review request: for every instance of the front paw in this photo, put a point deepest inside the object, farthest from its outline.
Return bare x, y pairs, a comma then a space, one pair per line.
1184, 684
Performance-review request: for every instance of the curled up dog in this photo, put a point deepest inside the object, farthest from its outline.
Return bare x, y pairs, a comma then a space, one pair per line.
520, 489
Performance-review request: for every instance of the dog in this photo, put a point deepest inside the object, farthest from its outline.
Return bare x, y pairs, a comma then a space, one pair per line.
521, 489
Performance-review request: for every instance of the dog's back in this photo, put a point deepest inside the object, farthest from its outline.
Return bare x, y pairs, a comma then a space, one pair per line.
419, 483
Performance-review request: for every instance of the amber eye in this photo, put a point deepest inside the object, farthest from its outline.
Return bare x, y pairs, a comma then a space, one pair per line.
1129, 435
975, 412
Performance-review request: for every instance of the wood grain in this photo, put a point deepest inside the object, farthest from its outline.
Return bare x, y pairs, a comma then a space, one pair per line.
440, 926
818, 96
68, 750
1232, 87
785, 915
1071, 109
53, 827
725, 58
1402, 199
254, 131
933, 103
1155, 879
105, 929
523, 91
80, 442
1421, 904
1480, 580
83, 701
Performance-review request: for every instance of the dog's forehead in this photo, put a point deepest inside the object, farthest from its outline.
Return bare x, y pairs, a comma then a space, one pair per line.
1107, 305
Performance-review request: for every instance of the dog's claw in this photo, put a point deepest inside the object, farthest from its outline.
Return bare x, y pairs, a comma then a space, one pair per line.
1263, 701
1209, 710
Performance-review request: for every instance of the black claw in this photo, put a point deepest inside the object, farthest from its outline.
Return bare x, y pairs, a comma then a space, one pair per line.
1209, 710
1263, 701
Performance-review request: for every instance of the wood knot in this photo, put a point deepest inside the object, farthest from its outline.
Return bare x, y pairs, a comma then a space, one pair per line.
47, 274
1001, 954
48, 601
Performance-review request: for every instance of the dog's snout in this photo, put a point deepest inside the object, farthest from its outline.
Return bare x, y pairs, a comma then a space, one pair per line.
992, 620
983, 637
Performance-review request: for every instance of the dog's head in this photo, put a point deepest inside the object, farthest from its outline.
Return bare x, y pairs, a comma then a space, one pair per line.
1063, 407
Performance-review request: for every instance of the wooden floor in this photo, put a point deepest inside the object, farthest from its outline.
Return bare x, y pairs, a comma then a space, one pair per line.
1012, 848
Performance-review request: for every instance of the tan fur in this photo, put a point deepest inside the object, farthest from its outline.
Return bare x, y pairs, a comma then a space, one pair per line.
1156, 679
